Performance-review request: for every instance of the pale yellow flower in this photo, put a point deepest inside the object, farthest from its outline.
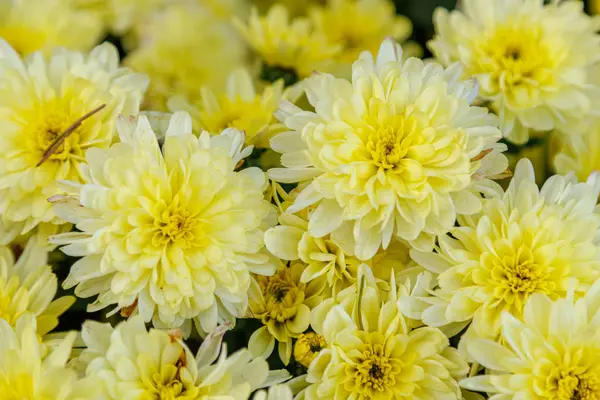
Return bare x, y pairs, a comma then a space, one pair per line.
358, 25
39, 100
522, 242
43, 25
532, 60
296, 7
180, 57
176, 232
277, 392
289, 49
282, 303
579, 153
331, 257
396, 153
307, 347
552, 352
28, 285
238, 106
28, 370
374, 354
133, 363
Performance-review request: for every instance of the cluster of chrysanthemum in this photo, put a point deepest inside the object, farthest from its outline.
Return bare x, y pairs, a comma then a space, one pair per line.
293, 165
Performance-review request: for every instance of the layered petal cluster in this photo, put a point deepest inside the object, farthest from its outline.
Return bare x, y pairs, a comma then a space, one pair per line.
180, 58
239, 106
533, 60
552, 352
43, 25
374, 354
579, 153
289, 49
524, 241
331, 257
29, 370
174, 232
395, 153
282, 302
40, 100
130, 362
277, 392
358, 26
28, 286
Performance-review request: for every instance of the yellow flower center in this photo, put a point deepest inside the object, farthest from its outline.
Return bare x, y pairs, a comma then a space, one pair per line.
175, 225
375, 371
307, 347
282, 297
579, 387
517, 57
167, 384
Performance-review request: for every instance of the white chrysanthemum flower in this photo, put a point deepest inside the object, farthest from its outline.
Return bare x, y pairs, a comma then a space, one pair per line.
551, 353
133, 363
395, 152
533, 60
176, 232
39, 100
522, 242
28, 285
28, 371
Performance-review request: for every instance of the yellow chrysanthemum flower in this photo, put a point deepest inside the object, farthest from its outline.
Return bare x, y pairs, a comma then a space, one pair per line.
374, 354
296, 7
133, 363
331, 257
579, 153
395, 153
42, 99
358, 25
180, 58
531, 60
239, 106
43, 25
282, 303
28, 371
524, 241
176, 232
27, 285
289, 49
307, 347
551, 353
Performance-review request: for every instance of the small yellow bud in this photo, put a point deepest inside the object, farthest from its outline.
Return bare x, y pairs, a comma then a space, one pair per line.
308, 347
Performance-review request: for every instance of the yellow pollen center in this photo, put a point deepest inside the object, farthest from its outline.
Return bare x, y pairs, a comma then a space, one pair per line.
375, 372
175, 225
166, 384
581, 387
281, 296
386, 147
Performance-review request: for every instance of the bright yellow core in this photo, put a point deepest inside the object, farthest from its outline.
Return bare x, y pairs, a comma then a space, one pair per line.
307, 347
390, 139
166, 384
175, 224
374, 371
247, 116
585, 386
517, 56
282, 296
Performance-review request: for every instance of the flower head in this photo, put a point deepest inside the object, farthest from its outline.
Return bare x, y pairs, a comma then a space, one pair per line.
551, 352
39, 101
176, 232
282, 303
522, 242
180, 58
331, 257
307, 347
290, 50
161, 366
394, 153
579, 153
532, 60
358, 26
374, 354
239, 106
27, 285
27, 370
43, 25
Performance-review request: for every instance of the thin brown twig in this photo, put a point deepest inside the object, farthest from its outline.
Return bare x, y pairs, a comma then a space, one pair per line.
63, 136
